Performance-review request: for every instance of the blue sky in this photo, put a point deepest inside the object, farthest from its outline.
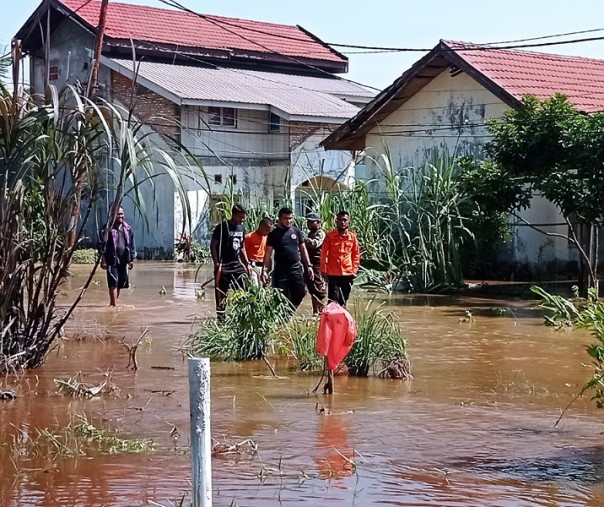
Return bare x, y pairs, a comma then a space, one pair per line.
392, 23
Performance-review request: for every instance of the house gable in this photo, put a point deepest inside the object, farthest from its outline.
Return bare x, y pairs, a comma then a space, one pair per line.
448, 116
507, 74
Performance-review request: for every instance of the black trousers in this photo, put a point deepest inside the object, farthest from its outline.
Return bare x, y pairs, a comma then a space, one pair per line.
291, 283
338, 288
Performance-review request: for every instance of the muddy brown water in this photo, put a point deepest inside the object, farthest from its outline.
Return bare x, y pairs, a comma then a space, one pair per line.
475, 427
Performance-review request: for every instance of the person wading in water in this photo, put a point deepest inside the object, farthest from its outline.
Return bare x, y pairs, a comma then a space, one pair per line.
255, 248
317, 287
340, 259
117, 255
231, 265
291, 258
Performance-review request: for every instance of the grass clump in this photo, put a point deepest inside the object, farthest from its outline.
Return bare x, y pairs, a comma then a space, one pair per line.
85, 256
380, 346
299, 339
248, 331
79, 438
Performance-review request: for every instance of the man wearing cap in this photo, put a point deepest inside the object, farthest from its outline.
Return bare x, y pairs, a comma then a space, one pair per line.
317, 287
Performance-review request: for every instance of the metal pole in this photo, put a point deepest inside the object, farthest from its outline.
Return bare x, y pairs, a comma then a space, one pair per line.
201, 442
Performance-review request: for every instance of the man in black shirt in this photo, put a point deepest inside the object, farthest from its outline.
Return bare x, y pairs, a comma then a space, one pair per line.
231, 265
291, 258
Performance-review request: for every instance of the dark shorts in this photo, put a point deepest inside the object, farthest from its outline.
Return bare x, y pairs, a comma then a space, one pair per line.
117, 276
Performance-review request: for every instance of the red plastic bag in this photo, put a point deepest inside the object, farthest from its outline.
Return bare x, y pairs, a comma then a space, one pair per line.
337, 332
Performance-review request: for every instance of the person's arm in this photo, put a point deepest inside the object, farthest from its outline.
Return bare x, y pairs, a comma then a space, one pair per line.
132, 250
324, 256
356, 256
101, 248
306, 261
243, 258
216, 237
317, 241
267, 263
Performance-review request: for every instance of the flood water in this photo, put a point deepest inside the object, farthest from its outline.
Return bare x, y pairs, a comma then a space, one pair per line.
475, 427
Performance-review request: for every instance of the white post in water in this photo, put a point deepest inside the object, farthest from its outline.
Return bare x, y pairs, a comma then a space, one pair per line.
201, 442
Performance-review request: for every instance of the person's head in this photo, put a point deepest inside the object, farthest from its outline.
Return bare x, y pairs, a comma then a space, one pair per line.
238, 213
342, 221
286, 218
313, 222
119, 217
265, 226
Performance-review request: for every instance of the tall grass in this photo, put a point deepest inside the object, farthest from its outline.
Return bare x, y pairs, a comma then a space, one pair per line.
586, 314
380, 347
428, 217
58, 156
298, 339
248, 331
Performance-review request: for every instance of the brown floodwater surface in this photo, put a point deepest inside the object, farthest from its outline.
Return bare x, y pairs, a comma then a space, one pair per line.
475, 427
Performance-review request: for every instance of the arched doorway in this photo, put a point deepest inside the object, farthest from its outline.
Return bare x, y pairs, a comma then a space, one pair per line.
310, 194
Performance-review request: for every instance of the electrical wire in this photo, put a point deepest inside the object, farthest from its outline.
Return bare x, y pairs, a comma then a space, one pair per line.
473, 47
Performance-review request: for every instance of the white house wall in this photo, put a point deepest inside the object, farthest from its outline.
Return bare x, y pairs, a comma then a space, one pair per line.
250, 138
309, 160
447, 117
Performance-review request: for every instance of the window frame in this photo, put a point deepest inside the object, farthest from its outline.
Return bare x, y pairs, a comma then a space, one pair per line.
219, 116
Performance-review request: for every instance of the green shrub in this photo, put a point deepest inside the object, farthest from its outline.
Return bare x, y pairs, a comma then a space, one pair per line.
85, 256
299, 338
252, 317
380, 346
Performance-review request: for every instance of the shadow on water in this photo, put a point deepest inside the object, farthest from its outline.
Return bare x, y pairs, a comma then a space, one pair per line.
473, 428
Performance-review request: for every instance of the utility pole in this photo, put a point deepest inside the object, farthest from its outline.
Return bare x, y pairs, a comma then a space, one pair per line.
96, 62
91, 94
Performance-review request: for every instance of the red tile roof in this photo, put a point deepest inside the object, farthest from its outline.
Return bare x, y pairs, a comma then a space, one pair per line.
507, 73
543, 75
175, 27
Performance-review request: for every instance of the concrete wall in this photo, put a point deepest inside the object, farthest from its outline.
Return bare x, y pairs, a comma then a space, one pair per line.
447, 117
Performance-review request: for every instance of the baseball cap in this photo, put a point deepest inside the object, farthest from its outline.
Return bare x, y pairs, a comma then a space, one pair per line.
313, 216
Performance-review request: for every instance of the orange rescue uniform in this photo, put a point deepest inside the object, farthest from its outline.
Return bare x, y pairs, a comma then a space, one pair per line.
340, 254
255, 246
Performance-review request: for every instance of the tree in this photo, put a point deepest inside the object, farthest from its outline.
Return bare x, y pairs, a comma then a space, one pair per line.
548, 148
46, 151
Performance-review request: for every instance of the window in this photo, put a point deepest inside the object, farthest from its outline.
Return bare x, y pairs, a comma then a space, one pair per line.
222, 116
218, 178
234, 179
53, 73
274, 122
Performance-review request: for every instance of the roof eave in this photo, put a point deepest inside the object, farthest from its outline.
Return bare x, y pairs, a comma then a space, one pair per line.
355, 129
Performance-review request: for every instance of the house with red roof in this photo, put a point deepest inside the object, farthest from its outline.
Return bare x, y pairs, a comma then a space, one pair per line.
440, 106
251, 100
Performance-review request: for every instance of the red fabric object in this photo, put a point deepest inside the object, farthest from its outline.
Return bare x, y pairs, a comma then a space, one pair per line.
337, 332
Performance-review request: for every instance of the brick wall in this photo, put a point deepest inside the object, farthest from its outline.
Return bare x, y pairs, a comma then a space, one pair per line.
299, 131
149, 107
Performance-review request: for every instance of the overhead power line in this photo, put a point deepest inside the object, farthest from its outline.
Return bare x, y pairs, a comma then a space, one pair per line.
506, 44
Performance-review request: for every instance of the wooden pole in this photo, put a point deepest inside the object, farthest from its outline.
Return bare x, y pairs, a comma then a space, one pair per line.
201, 442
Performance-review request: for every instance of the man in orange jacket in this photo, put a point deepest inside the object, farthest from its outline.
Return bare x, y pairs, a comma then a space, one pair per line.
340, 259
